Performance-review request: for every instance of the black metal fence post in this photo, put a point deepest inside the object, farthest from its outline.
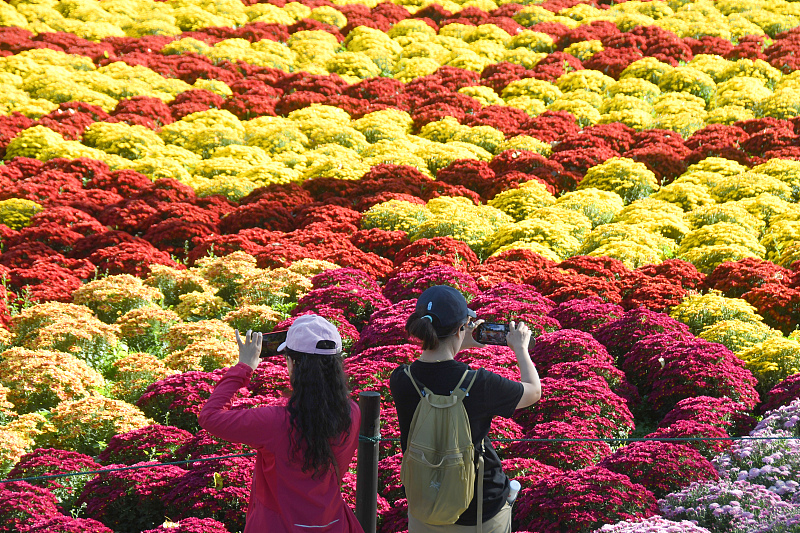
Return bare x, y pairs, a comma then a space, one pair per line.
367, 469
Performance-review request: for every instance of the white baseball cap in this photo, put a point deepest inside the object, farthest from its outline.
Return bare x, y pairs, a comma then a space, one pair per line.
314, 335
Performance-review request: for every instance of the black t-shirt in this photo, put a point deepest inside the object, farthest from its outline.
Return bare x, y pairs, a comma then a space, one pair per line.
491, 395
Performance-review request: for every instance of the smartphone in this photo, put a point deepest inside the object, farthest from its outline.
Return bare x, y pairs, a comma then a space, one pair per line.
270, 343
495, 334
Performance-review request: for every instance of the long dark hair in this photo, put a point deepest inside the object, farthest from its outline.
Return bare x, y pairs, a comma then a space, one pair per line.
319, 410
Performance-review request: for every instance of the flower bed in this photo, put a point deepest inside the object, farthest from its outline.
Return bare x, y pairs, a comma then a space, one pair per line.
623, 177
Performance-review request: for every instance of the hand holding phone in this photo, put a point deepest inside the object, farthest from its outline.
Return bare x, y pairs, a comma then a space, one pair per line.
249, 348
519, 336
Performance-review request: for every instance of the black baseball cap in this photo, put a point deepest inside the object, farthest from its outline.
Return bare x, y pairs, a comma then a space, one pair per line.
446, 305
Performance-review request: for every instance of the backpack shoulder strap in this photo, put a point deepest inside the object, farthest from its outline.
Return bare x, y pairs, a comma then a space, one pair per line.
472, 381
460, 391
407, 370
422, 390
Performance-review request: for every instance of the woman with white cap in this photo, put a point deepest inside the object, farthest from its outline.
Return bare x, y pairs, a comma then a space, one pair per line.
303, 449
443, 322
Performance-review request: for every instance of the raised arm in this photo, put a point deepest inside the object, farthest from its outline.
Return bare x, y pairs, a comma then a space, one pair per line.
246, 425
518, 339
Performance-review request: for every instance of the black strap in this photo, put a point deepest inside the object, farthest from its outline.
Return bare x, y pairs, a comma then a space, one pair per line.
479, 493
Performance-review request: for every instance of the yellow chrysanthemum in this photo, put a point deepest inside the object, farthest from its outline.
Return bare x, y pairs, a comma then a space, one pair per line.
699, 311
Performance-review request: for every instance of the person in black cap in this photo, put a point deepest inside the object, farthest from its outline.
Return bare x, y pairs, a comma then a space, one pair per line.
444, 324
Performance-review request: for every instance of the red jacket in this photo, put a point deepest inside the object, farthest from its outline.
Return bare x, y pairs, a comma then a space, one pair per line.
283, 498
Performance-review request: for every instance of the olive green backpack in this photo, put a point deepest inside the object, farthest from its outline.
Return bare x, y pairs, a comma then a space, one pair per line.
438, 469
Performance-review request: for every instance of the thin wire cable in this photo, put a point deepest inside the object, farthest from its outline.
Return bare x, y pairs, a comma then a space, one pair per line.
607, 439
649, 439
376, 440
